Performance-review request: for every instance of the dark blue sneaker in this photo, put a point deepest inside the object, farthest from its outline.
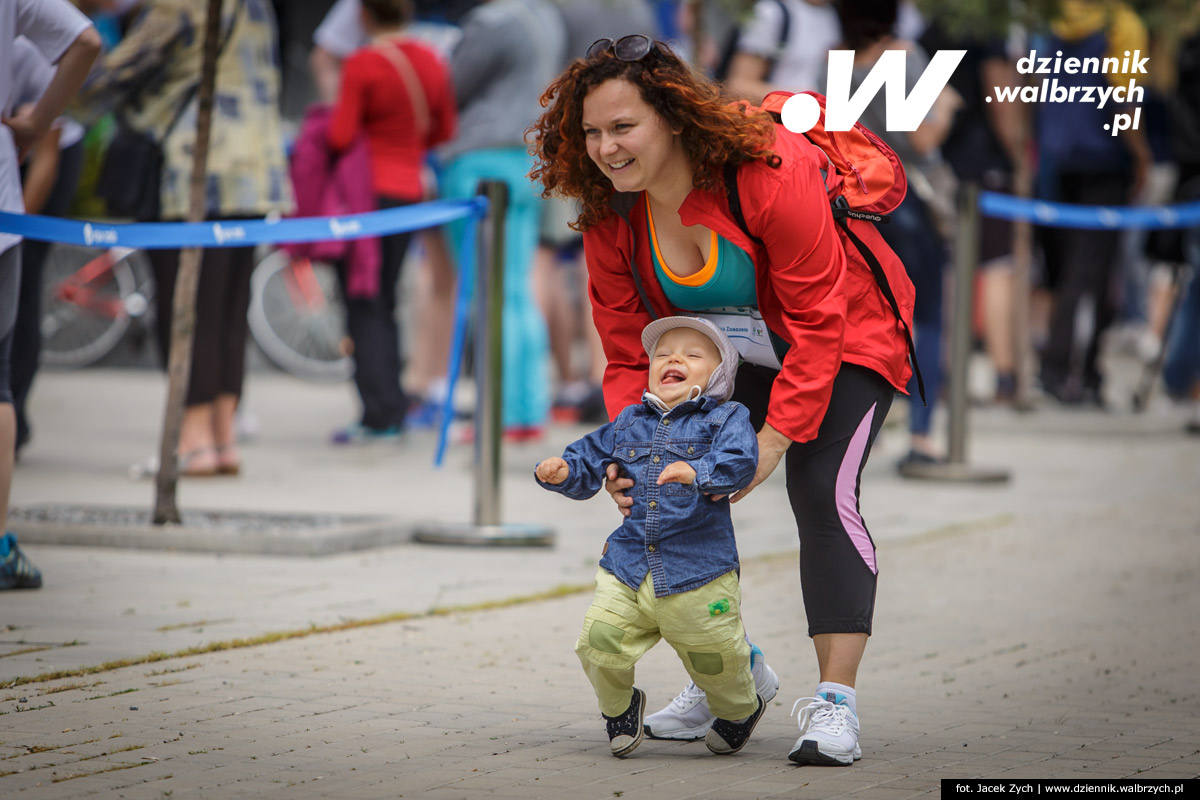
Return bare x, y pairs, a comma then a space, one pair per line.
625, 732
726, 738
16, 571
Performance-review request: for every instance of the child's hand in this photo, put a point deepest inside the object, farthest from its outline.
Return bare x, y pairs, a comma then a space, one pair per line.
678, 472
553, 470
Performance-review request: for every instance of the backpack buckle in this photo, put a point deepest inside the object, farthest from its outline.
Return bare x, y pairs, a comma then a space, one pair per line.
841, 208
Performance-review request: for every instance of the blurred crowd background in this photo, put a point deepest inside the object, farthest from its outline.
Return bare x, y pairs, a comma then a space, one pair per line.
336, 107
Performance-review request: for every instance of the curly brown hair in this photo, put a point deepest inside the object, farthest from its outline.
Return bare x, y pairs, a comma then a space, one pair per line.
716, 131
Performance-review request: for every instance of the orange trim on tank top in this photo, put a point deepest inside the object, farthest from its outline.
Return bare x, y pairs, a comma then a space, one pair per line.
700, 278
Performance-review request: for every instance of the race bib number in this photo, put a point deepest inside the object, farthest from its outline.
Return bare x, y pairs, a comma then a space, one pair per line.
745, 328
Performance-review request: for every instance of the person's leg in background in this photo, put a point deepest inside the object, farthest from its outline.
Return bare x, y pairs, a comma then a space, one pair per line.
10, 281
16, 571
432, 308
1181, 370
372, 325
238, 262
27, 336
996, 268
552, 266
913, 238
1089, 260
526, 348
432, 315
526, 343
197, 442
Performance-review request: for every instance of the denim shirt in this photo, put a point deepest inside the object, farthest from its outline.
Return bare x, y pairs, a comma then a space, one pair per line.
678, 534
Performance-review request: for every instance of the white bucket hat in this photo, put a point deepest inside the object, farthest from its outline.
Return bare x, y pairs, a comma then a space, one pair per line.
720, 385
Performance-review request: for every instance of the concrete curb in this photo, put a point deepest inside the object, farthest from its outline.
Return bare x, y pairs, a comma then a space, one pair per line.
228, 532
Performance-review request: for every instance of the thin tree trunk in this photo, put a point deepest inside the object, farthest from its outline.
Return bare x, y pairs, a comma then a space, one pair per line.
183, 318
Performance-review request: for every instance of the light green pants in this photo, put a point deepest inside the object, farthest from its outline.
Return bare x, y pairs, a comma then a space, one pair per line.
703, 625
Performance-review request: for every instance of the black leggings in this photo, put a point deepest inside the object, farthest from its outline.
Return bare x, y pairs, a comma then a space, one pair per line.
837, 556
371, 323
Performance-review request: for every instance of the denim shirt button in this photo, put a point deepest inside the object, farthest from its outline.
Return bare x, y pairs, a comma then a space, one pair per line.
632, 452
656, 459
653, 504
666, 422
650, 547
691, 450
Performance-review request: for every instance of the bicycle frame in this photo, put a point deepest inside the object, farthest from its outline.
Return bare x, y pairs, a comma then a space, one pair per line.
303, 288
77, 291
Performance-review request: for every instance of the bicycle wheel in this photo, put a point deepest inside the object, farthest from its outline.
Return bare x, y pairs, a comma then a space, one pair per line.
297, 317
88, 298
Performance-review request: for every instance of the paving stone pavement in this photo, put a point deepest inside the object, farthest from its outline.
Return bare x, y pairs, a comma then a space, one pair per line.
1045, 629
1063, 647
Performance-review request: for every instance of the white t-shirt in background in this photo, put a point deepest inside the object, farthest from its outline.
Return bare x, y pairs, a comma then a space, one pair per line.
51, 25
813, 31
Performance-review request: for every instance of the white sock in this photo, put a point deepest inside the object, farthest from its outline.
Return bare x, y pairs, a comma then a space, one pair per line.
827, 688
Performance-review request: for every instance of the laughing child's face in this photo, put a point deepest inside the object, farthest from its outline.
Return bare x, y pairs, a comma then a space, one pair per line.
682, 359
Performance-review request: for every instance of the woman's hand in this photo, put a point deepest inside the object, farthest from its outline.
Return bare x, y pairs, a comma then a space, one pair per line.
617, 486
771, 446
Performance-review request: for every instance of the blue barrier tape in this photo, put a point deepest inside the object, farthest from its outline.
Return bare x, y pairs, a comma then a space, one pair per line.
1065, 215
241, 233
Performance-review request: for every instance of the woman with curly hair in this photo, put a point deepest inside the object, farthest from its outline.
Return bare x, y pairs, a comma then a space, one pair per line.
643, 141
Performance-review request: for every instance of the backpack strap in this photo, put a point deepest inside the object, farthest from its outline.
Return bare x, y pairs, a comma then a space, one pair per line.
839, 203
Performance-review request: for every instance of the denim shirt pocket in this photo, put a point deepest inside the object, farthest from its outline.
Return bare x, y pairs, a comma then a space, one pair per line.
690, 450
633, 458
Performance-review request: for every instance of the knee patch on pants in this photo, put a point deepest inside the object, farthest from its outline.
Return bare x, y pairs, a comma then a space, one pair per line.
706, 663
604, 644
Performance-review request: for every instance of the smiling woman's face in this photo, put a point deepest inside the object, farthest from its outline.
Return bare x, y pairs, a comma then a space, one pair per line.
628, 140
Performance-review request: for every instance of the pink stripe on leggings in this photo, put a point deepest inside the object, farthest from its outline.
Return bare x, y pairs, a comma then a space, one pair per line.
847, 497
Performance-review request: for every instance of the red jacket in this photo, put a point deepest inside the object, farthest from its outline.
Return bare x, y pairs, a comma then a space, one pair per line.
814, 290
374, 98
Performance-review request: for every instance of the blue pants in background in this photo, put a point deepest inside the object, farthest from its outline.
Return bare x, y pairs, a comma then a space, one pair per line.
526, 381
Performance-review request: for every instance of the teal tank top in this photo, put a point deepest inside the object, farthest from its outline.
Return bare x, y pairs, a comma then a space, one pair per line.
726, 280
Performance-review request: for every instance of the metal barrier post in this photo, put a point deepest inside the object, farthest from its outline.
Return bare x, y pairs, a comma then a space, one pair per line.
487, 530
966, 254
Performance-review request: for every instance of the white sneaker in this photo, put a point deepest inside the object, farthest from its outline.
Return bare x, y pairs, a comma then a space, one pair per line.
687, 716
828, 732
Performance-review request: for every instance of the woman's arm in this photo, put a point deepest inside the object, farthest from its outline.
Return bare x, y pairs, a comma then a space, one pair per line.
30, 126
41, 172
619, 316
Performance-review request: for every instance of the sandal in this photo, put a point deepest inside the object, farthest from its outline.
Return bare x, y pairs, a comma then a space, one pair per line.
229, 460
199, 463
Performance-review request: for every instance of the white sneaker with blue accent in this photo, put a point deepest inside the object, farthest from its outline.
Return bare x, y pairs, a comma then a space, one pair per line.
828, 732
687, 716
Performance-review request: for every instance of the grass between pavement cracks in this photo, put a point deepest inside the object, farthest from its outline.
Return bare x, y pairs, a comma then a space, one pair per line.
281, 636
563, 590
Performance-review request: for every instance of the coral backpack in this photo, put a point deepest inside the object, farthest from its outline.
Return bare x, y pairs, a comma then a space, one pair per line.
864, 180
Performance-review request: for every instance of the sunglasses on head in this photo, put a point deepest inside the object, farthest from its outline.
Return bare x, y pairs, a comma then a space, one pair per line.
633, 47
